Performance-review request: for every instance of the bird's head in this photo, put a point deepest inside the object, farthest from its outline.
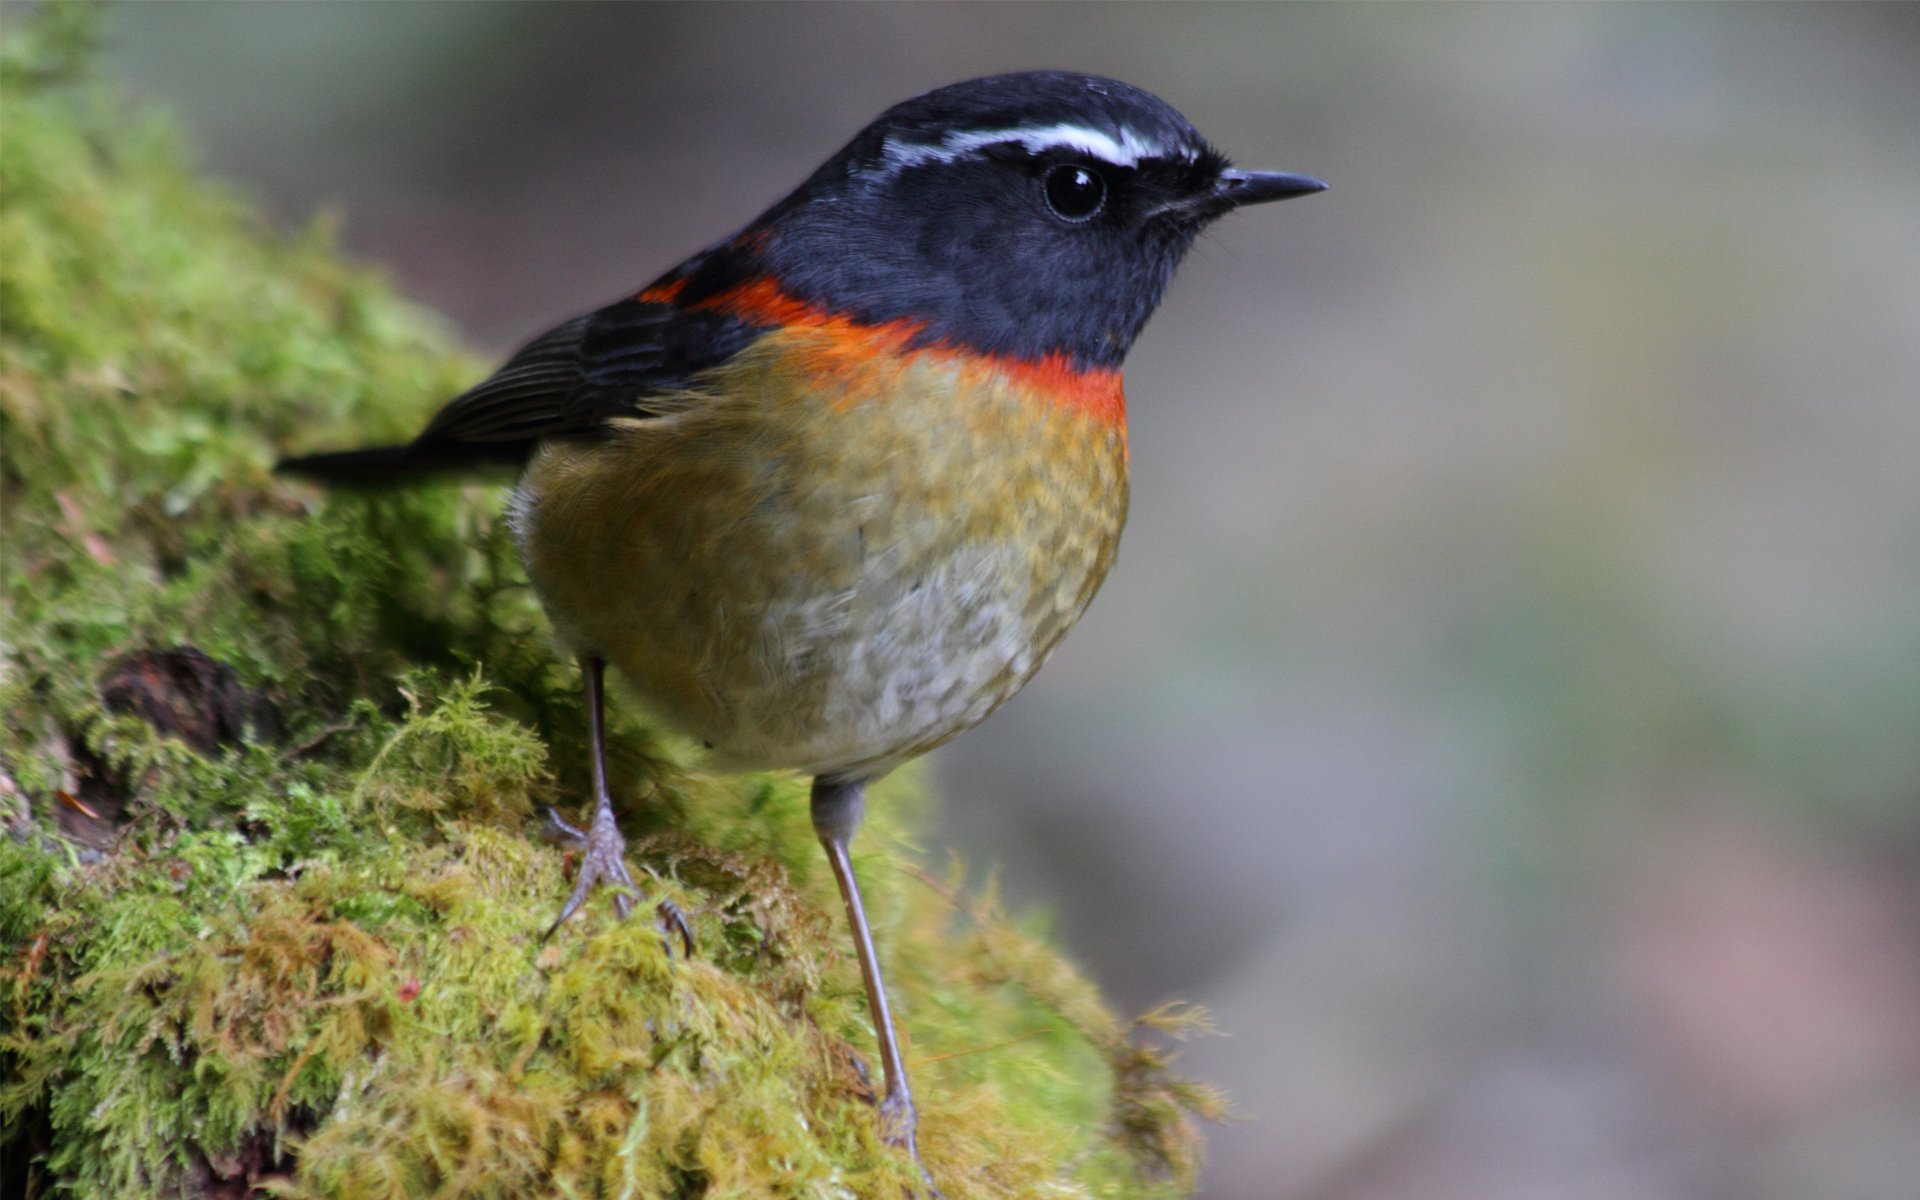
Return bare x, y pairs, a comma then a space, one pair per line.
1027, 215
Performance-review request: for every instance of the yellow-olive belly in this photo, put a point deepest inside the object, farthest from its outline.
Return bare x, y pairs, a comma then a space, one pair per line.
827, 565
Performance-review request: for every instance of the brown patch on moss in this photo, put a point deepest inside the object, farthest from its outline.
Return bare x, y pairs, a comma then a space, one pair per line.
238, 1174
183, 692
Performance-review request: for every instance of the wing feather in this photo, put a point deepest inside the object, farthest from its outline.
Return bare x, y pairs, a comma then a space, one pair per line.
569, 382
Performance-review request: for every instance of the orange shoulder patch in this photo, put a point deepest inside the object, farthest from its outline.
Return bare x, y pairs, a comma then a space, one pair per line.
663, 293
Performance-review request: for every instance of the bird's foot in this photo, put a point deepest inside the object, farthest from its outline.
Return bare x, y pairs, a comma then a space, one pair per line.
898, 1122
604, 860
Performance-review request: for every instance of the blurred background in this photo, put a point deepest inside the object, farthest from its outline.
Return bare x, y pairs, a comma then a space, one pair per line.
1506, 712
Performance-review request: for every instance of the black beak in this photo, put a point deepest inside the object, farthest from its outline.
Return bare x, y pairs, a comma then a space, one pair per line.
1236, 187
1233, 188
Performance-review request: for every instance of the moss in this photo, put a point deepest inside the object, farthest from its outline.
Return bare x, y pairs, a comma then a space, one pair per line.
312, 965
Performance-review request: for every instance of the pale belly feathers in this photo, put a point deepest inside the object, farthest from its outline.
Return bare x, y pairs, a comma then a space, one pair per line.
806, 576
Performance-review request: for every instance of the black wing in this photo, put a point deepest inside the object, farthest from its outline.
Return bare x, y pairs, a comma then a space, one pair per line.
566, 383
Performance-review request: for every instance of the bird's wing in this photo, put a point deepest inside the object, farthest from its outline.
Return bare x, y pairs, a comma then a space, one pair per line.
568, 382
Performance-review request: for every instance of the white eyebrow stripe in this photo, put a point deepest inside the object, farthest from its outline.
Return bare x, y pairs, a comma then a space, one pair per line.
1125, 151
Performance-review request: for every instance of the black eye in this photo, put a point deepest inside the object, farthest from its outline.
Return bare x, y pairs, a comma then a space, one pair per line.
1075, 193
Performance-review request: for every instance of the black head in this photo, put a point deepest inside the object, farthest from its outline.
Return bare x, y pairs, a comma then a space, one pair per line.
1024, 215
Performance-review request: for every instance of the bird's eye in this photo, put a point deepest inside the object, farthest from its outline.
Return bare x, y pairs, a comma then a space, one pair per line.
1075, 193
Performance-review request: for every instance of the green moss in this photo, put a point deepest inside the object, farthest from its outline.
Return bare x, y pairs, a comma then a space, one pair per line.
315, 964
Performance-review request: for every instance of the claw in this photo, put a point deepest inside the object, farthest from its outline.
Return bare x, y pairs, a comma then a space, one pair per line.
560, 833
605, 852
604, 862
673, 921
898, 1122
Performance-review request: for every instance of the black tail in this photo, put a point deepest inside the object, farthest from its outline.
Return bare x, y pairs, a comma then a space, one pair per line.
386, 466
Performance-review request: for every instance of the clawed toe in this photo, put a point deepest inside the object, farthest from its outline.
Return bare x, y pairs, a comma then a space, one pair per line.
599, 865
560, 832
604, 861
673, 921
899, 1121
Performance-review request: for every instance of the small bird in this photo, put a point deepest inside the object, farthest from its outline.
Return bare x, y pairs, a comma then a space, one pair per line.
830, 491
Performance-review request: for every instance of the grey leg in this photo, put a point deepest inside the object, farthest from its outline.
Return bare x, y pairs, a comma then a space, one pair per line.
838, 806
604, 851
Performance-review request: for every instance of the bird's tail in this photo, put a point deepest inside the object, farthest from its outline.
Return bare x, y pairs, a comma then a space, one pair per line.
386, 466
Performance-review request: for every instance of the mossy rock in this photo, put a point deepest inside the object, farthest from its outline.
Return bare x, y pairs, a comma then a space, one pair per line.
271, 894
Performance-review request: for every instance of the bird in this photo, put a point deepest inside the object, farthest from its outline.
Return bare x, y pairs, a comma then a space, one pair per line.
830, 491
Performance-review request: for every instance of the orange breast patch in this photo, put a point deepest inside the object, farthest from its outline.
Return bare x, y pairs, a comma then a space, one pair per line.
1096, 392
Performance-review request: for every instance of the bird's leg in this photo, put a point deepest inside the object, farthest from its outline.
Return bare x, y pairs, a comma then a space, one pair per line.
838, 806
603, 858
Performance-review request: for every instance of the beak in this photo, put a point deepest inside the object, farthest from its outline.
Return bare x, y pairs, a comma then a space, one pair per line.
1236, 188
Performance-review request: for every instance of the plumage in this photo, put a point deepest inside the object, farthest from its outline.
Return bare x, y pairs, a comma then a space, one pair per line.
830, 612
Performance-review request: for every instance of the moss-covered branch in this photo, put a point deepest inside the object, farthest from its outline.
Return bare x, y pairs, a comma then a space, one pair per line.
270, 906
